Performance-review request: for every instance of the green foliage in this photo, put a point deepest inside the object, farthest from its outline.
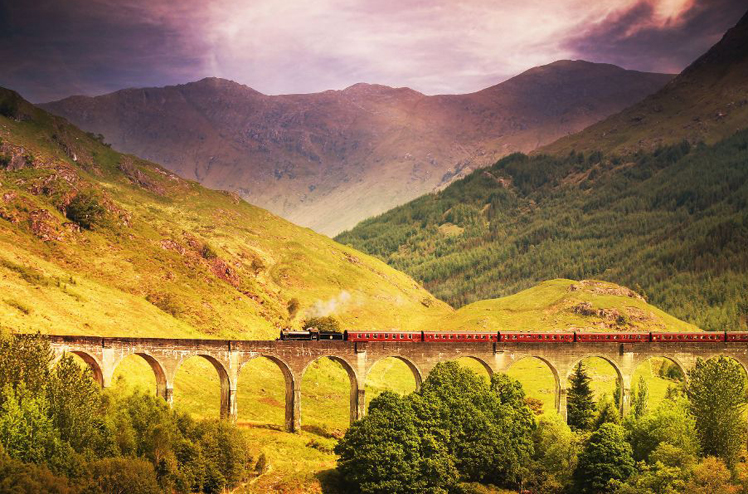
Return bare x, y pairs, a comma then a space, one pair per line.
606, 456
121, 443
640, 398
672, 221
455, 427
555, 451
670, 423
580, 404
385, 453
711, 476
607, 413
28, 478
324, 323
86, 210
119, 475
716, 390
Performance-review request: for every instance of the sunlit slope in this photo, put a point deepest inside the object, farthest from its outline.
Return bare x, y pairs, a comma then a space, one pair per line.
165, 257
707, 102
566, 305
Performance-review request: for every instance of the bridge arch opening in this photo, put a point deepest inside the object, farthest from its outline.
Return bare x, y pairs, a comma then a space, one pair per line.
140, 371
201, 387
84, 358
659, 374
264, 392
606, 378
393, 373
476, 365
329, 395
540, 381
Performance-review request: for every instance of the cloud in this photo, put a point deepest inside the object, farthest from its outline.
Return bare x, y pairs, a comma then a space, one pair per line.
53, 48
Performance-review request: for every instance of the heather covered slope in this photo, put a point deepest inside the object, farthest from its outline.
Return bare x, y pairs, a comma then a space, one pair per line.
706, 102
329, 160
163, 256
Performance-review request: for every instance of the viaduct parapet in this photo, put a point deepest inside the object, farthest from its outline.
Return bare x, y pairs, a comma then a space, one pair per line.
357, 358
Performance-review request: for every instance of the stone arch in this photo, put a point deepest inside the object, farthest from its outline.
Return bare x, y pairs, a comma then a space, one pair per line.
357, 399
625, 397
559, 387
93, 364
414, 369
158, 372
292, 388
483, 363
657, 393
228, 400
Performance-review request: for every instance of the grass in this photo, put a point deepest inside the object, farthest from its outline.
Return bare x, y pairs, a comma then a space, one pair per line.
550, 305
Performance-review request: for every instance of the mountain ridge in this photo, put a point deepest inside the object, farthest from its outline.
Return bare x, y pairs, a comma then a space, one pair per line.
706, 102
327, 160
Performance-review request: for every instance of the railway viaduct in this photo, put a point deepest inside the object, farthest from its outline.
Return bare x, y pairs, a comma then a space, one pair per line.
357, 358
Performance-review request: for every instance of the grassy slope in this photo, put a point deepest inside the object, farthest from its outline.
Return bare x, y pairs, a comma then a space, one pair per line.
550, 306
707, 102
150, 249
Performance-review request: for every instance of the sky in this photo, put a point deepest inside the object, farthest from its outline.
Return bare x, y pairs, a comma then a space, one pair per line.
50, 49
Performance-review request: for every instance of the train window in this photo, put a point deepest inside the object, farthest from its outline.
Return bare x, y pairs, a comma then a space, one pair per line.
410, 336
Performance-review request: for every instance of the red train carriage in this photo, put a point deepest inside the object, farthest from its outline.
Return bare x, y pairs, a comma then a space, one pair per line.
469, 336
735, 336
697, 337
613, 337
537, 337
384, 336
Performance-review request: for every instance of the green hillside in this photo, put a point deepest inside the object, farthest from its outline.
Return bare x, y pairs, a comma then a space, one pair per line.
566, 305
672, 223
96, 242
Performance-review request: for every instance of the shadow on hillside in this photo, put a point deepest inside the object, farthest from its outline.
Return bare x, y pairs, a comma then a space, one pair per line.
331, 482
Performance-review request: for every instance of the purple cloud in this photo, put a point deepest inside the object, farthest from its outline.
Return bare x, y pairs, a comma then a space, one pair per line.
54, 48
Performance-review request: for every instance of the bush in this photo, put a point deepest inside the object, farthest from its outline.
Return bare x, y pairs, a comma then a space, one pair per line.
118, 475
326, 323
27, 478
207, 252
85, 210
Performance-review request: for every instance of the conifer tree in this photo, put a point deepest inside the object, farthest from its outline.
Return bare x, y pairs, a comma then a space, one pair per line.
580, 406
640, 399
716, 390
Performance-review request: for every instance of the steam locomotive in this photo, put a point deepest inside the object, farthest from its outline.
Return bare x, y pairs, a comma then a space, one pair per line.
313, 334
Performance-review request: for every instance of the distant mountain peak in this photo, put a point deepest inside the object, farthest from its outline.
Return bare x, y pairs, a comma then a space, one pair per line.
328, 160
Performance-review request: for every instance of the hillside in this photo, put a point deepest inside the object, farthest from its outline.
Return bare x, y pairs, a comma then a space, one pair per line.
672, 224
93, 241
566, 305
706, 102
331, 159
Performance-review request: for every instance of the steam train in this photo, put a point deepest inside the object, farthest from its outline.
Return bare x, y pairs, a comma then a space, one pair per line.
313, 334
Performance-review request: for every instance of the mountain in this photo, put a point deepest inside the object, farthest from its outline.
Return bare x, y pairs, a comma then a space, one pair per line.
329, 160
671, 222
706, 102
97, 242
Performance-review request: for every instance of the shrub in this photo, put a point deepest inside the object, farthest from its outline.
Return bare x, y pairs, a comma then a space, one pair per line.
207, 252
118, 475
85, 210
326, 323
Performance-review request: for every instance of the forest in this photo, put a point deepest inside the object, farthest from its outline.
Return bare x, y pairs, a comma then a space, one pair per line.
671, 224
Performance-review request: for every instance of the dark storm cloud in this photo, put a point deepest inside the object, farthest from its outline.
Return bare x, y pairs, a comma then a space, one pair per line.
633, 38
50, 49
